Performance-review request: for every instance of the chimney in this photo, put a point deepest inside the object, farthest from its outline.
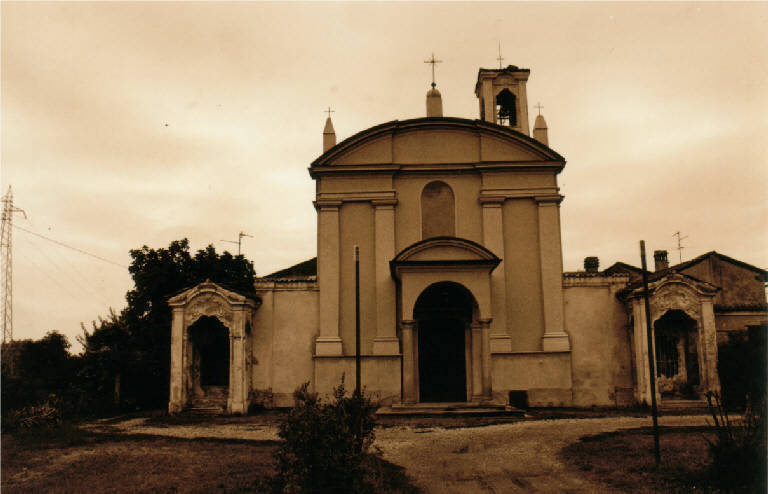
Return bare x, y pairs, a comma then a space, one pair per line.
591, 264
660, 260
329, 135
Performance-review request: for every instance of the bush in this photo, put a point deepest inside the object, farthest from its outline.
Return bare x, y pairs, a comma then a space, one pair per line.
46, 415
739, 450
325, 444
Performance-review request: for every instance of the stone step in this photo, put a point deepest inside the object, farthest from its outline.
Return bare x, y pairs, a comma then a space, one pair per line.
683, 404
204, 410
449, 409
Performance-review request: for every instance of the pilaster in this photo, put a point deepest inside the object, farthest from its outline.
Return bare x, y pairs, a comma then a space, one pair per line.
237, 393
485, 355
409, 363
477, 366
493, 239
386, 342
551, 262
708, 347
328, 277
177, 391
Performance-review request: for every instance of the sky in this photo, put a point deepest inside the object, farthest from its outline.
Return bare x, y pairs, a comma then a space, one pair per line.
130, 124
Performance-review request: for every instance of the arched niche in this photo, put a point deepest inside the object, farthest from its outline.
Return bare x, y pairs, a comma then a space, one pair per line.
438, 210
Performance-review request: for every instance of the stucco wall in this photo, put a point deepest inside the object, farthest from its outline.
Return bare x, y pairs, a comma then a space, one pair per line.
525, 318
546, 376
600, 340
356, 228
466, 190
739, 286
285, 328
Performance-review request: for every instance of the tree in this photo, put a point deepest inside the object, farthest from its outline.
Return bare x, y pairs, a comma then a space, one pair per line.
158, 274
34, 369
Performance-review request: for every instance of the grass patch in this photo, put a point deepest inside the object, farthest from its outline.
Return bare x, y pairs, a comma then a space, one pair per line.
624, 459
69, 459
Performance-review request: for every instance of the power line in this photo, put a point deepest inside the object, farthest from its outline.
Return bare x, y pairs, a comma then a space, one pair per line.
70, 247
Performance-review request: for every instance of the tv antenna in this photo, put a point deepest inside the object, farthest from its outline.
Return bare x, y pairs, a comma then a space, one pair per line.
239, 240
679, 244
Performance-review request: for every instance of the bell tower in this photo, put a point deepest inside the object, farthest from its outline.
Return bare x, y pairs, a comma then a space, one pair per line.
502, 96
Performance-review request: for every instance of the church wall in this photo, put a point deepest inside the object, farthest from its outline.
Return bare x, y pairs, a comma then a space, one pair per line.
600, 346
357, 228
466, 191
285, 327
525, 319
352, 184
518, 180
436, 146
545, 376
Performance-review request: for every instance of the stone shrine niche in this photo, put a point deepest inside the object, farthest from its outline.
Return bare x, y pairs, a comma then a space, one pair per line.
208, 304
437, 211
673, 296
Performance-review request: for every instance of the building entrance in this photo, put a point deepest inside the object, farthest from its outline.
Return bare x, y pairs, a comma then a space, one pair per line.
443, 313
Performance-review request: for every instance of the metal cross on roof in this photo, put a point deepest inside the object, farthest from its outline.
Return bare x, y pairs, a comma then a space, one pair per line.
329, 111
500, 58
539, 106
433, 62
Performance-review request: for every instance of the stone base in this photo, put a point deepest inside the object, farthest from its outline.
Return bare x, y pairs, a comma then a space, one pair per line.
501, 343
386, 346
555, 342
328, 345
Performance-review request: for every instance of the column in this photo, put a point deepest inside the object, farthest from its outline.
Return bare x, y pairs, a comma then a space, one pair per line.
493, 239
485, 355
708, 347
551, 262
477, 369
328, 277
177, 391
236, 398
386, 342
409, 367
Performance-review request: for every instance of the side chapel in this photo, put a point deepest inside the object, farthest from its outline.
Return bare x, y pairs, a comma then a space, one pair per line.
463, 298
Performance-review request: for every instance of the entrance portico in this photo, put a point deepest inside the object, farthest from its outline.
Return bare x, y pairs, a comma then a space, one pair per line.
459, 272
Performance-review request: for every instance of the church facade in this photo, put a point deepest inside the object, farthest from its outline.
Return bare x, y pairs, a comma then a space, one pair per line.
452, 227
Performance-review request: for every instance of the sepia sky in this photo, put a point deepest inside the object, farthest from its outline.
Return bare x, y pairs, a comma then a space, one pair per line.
125, 124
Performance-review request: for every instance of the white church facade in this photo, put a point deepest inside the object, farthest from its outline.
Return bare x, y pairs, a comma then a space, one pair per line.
462, 294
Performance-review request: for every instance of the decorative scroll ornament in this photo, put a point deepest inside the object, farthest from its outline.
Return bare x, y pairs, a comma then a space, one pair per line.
675, 296
209, 304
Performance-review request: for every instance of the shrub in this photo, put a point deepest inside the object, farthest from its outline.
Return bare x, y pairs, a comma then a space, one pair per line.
325, 444
46, 415
739, 450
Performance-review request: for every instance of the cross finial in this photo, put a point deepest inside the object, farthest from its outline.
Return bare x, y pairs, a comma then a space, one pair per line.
539, 106
500, 58
329, 111
433, 62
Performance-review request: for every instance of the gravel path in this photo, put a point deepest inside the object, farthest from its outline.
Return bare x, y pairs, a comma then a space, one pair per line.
506, 458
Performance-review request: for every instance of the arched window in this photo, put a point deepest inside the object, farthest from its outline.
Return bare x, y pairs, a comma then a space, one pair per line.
437, 211
506, 108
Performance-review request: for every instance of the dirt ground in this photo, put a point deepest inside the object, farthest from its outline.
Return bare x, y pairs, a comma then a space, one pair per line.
515, 457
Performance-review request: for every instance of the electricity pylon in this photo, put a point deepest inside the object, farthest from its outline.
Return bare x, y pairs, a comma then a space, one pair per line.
6, 262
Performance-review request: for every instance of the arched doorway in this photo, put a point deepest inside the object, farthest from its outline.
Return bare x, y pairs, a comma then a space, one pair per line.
443, 312
677, 362
209, 369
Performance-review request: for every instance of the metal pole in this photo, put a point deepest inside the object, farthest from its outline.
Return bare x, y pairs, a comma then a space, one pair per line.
651, 360
357, 320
